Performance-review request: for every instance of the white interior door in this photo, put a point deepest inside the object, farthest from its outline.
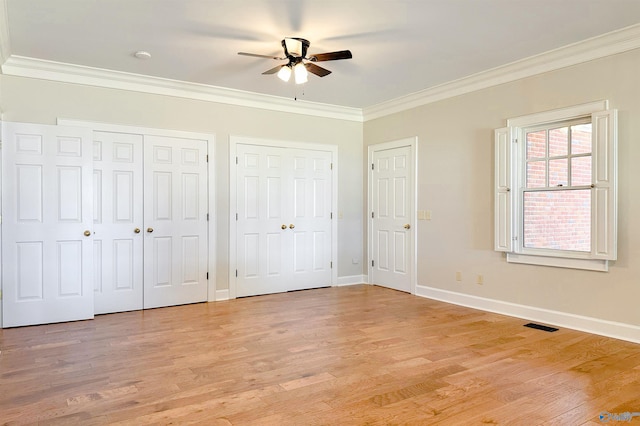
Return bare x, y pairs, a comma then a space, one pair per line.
47, 224
264, 257
175, 225
392, 233
283, 223
117, 207
311, 218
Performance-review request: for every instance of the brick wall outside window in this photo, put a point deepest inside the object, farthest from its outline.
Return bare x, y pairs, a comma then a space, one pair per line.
558, 219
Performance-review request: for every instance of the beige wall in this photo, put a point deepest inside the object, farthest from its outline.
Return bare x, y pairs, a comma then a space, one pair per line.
455, 182
455, 174
39, 101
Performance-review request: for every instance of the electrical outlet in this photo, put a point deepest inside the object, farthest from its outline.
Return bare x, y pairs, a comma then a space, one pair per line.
480, 279
458, 276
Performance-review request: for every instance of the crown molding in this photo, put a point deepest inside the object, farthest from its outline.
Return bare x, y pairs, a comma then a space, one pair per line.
5, 46
587, 50
68, 73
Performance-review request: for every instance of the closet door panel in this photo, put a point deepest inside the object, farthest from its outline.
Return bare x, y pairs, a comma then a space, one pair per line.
118, 219
311, 202
263, 252
175, 225
47, 243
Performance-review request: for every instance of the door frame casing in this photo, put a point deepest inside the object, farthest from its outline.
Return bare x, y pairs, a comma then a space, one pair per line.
211, 187
234, 141
411, 142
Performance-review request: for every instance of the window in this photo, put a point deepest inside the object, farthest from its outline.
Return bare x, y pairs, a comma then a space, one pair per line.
555, 176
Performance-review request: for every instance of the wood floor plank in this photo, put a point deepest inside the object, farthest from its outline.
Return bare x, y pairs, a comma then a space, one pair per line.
357, 355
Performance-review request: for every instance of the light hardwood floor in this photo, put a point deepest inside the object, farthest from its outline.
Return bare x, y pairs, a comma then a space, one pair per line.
360, 355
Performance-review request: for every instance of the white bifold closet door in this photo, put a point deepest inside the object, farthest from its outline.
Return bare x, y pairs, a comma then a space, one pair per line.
47, 238
151, 221
283, 219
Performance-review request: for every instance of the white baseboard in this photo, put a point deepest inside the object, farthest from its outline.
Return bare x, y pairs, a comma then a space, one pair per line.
617, 330
222, 295
351, 280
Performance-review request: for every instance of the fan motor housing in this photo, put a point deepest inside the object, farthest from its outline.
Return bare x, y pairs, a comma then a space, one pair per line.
295, 47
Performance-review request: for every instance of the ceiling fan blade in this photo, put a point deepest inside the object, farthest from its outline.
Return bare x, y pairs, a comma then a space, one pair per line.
274, 69
261, 56
314, 69
331, 56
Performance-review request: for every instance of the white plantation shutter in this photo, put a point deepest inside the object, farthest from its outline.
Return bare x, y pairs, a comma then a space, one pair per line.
503, 193
604, 193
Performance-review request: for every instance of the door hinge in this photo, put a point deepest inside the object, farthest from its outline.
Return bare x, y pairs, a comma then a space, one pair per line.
331, 265
236, 273
373, 215
373, 263
372, 167
331, 215
207, 158
207, 275
236, 216
236, 160
207, 217
515, 140
331, 166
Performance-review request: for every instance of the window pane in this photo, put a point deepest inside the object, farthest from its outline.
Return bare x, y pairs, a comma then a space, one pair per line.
558, 142
581, 171
558, 220
536, 174
581, 139
559, 172
536, 144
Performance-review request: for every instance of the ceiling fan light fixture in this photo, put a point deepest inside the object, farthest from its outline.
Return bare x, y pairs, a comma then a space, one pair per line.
299, 64
300, 73
285, 73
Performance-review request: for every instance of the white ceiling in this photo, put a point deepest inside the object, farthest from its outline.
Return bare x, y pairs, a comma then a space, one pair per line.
399, 46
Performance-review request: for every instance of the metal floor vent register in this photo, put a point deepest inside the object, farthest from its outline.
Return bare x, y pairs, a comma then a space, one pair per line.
541, 327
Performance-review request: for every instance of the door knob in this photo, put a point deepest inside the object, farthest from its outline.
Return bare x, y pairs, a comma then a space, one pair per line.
137, 230
87, 233
283, 226
292, 226
407, 226
149, 230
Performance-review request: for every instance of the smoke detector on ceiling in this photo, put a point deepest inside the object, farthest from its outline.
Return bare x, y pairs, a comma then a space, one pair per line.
141, 54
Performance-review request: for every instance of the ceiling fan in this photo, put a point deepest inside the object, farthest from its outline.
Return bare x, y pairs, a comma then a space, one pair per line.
295, 51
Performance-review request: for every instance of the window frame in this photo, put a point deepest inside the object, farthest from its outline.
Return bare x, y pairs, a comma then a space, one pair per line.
510, 172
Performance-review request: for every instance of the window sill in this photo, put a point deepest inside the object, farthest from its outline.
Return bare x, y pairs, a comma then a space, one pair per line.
560, 262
